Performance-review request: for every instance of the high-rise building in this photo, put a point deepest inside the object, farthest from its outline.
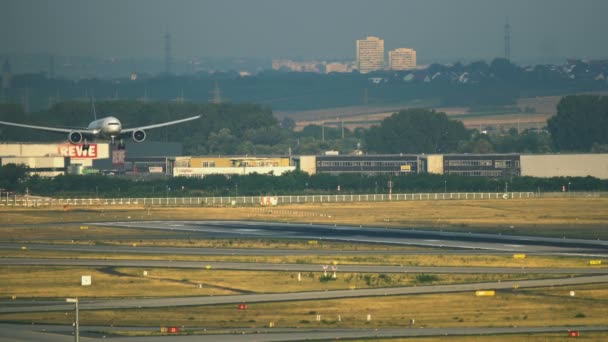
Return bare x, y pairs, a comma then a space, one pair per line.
402, 59
370, 54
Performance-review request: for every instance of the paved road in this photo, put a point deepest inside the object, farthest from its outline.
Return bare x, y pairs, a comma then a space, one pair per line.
22, 333
297, 296
255, 266
210, 251
395, 236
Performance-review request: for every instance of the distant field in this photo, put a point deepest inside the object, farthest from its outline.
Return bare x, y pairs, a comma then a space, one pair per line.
361, 116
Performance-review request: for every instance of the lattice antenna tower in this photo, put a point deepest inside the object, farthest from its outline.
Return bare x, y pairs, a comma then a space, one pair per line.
167, 53
507, 39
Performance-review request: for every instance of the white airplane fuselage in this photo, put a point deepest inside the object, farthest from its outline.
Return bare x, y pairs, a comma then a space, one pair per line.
108, 127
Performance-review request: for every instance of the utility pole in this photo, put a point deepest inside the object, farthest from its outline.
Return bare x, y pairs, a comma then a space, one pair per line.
76, 323
323, 131
167, 53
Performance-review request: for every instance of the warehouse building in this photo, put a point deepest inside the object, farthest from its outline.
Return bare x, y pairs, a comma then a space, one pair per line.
363, 164
565, 165
231, 165
470, 165
484, 165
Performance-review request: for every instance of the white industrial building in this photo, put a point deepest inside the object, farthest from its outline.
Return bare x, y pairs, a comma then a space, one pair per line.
52, 159
565, 165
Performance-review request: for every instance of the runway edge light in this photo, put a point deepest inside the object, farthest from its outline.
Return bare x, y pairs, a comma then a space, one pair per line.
485, 293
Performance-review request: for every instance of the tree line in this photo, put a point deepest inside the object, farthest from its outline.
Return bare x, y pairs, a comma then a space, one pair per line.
15, 179
245, 129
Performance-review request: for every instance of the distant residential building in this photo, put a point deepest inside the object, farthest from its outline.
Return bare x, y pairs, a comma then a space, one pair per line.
402, 59
278, 64
312, 66
370, 54
338, 67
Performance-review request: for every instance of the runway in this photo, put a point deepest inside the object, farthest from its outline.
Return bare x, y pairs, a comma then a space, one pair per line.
393, 236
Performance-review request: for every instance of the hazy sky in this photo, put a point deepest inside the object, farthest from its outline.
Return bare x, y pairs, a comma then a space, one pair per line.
310, 29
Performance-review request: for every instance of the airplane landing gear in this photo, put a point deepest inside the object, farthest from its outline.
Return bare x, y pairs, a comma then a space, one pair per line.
85, 145
121, 145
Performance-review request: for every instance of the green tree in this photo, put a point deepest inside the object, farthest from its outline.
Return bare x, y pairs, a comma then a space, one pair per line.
222, 142
416, 131
581, 122
12, 175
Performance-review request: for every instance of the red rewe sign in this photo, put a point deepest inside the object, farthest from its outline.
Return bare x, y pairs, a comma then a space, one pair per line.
77, 151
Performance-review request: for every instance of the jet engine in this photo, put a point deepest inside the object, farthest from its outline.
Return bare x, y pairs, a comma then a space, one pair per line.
139, 136
75, 137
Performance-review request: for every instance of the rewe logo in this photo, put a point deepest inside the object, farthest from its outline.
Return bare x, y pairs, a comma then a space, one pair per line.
77, 151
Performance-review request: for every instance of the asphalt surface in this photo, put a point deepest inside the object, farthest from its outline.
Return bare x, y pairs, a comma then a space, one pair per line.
394, 236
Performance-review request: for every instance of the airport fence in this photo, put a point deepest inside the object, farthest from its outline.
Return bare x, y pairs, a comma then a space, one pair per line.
17, 201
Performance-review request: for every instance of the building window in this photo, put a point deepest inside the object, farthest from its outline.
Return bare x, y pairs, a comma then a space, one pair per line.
502, 164
469, 163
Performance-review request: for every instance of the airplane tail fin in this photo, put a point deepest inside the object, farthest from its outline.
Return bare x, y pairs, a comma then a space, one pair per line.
93, 108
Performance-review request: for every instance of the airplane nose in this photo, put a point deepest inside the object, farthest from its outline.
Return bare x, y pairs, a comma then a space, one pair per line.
115, 129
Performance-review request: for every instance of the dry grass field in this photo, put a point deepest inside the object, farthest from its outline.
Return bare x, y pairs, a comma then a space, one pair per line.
339, 258
569, 217
119, 282
551, 307
580, 218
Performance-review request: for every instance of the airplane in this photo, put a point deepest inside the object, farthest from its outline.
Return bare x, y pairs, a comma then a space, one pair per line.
105, 128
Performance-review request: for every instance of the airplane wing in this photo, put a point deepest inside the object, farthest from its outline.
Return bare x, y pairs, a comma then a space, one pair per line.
162, 124
50, 129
